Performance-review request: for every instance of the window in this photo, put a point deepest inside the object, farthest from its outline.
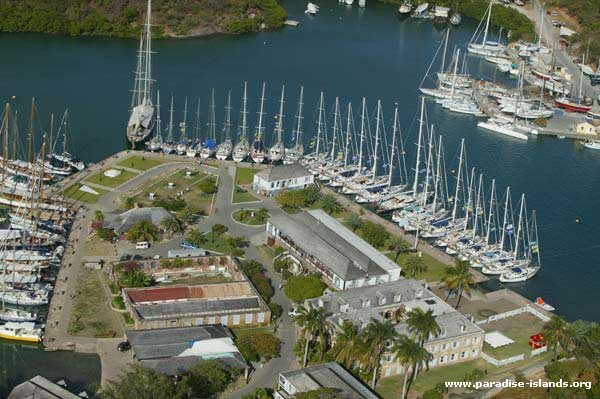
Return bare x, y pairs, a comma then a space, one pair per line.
453, 356
382, 300
474, 352
248, 318
224, 320
344, 308
261, 317
397, 297
434, 349
444, 347
173, 323
442, 358
463, 328
366, 303
454, 344
199, 321
475, 340
463, 354
467, 342
443, 332
211, 320
236, 319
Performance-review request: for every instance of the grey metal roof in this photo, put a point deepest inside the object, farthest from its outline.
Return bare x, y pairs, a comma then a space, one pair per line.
346, 254
179, 365
121, 223
283, 172
196, 307
40, 388
328, 375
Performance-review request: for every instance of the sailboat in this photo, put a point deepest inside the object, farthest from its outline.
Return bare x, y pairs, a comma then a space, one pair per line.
486, 47
257, 153
141, 120
293, 155
210, 143
315, 158
241, 151
156, 142
277, 151
226, 147
168, 146
64, 158
405, 8
574, 104
183, 141
192, 149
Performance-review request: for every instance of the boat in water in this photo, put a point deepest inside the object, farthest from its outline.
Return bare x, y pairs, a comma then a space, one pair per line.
257, 152
21, 331
182, 146
294, 154
16, 315
277, 151
141, 121
311, 8
241, 151
405, 9
486, 47
225, 149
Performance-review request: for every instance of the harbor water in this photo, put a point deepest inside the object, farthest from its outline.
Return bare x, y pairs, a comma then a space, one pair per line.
344, 51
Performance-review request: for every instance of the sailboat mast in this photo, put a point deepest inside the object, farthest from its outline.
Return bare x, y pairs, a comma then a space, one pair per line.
261, 113
170, 134
487, 25
148, 55
184, 125
158, 124
460, 162
428, 166
393, 149
362, 134
244, 127
31, 123
454, 76
436, 179
299, 118
417, 164
477, 206
280, 121
443, 65
213, 117
377, 134
505, 218
348, 127
227, 124
336, 118
5, 123
489, 223
519, 226
319, 124
469, 206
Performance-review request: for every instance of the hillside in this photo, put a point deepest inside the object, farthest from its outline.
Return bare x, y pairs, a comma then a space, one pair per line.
123, 18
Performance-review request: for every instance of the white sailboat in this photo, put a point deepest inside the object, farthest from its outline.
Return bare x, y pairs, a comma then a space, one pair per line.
210, 143
277, 151
168, 146
192, 149
486, 47
183, 140
156, 142
293, 155
241, 151
141, 120
257, 152
226, 147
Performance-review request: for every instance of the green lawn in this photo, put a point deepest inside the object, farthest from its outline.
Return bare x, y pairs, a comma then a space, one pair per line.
217, 243
238, 332
244, 216
435, 268
519, 329
99, 178
242, 195
245, 176
74, 193
141, 163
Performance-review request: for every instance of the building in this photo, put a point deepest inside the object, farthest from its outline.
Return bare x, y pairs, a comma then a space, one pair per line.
328, 375
121, 223
323, 244
172, 351
280, 177
235, 304
587, 128
460, 339
40, 388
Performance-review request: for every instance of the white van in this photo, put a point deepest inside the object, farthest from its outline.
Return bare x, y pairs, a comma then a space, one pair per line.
142, 245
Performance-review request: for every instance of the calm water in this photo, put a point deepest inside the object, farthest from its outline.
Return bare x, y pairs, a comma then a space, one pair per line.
348, 53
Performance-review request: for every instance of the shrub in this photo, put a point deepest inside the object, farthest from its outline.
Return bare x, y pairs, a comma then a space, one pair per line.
258, 346
276, 310
118, 302
208, 186
301, 288
263, 286
106, 234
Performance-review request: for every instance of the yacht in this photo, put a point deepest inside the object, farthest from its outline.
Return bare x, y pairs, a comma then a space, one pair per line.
592, 144
225, 149
21, 331
311, 8
503, 127
241, 151
519, 274
486, 47
16, 315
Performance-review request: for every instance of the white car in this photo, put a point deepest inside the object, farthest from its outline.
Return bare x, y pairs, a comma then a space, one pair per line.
293, 312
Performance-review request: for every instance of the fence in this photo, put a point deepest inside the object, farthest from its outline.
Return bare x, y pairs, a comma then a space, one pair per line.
515, 312
502, 362
537, 351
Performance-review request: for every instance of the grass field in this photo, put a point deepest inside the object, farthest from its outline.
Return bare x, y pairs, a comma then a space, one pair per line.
99, 178
74, 193
139, 162
98, 247
435, 269
242, 195
248, 218
244, 176
519, 329
91, 315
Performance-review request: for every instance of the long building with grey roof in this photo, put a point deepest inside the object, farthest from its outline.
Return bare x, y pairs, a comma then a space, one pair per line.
323, 244
459, 340
329, 375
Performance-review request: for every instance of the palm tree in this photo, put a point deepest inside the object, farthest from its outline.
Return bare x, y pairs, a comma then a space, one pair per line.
354, 221
143, 231
135, 279
329, 204
171, 225
376, 335
422, 325
314, 325
262, 215
415, 266
197, 238
98, 216
459, 279
346, 344
398, 245
410, 354
556, 332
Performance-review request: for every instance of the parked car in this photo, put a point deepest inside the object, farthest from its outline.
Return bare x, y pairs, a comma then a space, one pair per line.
293, 312
187, 245
123, 346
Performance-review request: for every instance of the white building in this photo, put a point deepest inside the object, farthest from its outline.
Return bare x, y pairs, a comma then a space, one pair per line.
322, 244
587, 128
288, 177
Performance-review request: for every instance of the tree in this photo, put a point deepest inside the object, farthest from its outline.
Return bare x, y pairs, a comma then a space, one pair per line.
143, 231
205, 380
258, 346
261, 215
320, 393
301, 288
414, 266
218, 230
263, 285
276, 310
459, 279
377, 334
98, 216
409, 353
259, 393
313, 325
251, 267
354, 221
330, 204
422, 325
135, 278
373, 233
346, 343
196, 238
129, 202
140, 383
398, 245
171, 225
556, 333
208, 186
106, 234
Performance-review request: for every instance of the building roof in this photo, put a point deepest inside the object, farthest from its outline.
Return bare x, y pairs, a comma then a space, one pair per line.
360, 305
173, 350
328, 375
283, 172
197, 308
347, 255
40, 388
190, 292
121, 223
